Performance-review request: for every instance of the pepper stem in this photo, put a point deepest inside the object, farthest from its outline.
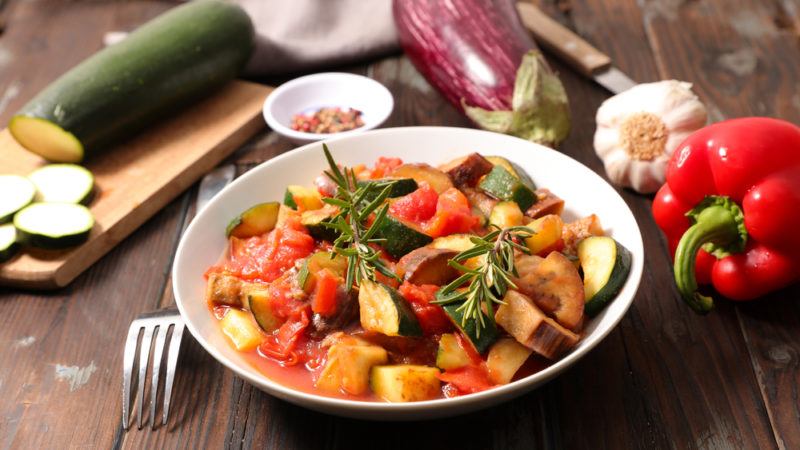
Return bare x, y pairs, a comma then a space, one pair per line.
718, 222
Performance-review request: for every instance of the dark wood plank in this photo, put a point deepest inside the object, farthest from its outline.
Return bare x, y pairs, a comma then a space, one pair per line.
684, 381
742, 55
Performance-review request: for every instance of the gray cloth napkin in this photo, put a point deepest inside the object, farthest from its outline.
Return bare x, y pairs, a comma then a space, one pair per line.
303, 35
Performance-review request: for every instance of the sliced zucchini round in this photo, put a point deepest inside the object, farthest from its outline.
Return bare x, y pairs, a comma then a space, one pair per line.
606, 264
16, 192
401, 237
63, 183
8, 242
255, 221
385, 311
53, 225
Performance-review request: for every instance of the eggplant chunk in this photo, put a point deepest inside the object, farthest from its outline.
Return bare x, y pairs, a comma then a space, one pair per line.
480, 201
531, 327
555, 286
424, 173
467, 170
427, 266
547, 203
346, 314
224, 289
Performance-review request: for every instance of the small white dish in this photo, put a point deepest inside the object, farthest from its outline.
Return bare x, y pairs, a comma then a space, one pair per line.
584, 192
333, 89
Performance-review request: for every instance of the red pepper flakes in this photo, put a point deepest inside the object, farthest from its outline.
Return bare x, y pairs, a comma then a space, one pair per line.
328, 120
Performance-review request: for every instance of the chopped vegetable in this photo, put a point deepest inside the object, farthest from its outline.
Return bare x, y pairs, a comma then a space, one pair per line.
384, 310
502, 185
240, 329
605, 265
17, 193
224, 289
453, 215
506, 215
259, 302
467, 170
66, 183
318, 222
504, 360
323, 300
255, 221
547, 235
427, 266
417, 206
556, 287
513, 169
307, 276
450, 354
348, 367
302, 198
53, 225
424, 173
405, 383
523, 320
398, 187
400, 237
547, 203
480, 340
431, 317
574, 232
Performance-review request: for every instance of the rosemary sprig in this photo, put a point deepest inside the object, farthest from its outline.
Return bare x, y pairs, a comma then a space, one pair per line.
356, 204
486, 285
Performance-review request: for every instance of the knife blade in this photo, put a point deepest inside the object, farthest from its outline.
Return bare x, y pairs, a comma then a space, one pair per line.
573, 49
212, 183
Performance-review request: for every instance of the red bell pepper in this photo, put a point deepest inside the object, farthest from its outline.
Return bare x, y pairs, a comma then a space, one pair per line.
731, 209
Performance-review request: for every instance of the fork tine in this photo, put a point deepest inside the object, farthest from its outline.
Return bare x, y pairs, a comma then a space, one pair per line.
127, 371
144, 356
172, 362
161, 337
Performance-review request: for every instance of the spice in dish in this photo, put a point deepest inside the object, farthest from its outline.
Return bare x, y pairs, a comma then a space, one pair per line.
328, 120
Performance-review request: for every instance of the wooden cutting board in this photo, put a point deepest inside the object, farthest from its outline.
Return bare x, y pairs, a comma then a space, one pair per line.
138, 179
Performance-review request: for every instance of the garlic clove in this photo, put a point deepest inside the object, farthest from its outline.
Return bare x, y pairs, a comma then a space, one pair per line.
605, 141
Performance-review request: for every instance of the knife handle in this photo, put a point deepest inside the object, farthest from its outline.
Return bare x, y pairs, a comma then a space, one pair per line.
559, 39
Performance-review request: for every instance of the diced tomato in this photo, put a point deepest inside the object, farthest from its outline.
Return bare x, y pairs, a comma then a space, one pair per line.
453, 215
280, 346
283, 300
417, 206
265, 258
467, 379
324, 299
431, 317
384, 166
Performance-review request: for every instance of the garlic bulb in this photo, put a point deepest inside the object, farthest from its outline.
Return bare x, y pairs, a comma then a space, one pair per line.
637, 131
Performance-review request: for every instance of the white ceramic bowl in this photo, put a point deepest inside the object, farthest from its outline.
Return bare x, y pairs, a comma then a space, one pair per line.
583, 190
312, 92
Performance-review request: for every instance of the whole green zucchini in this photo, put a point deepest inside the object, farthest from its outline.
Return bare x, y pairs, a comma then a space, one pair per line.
165, 64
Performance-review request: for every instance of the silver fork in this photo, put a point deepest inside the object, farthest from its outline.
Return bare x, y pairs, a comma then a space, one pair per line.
146, 325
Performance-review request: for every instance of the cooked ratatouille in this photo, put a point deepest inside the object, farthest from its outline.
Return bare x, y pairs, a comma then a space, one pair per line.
407, 282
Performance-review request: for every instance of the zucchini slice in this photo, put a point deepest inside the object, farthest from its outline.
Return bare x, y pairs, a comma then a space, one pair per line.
450, 355
315, 221
308, 198
8, 242
258, 302
405, 383
488, 334
255, 221
64, 183
606, 264
16, 192
505, 215
400, 187
400, 237
503, 185
54, 225
513, 169
316, 262
385, 311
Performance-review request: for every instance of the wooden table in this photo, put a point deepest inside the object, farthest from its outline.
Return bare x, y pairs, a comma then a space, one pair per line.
665, 378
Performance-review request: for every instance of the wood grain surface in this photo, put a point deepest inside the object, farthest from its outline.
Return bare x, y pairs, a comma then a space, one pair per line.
664, 379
